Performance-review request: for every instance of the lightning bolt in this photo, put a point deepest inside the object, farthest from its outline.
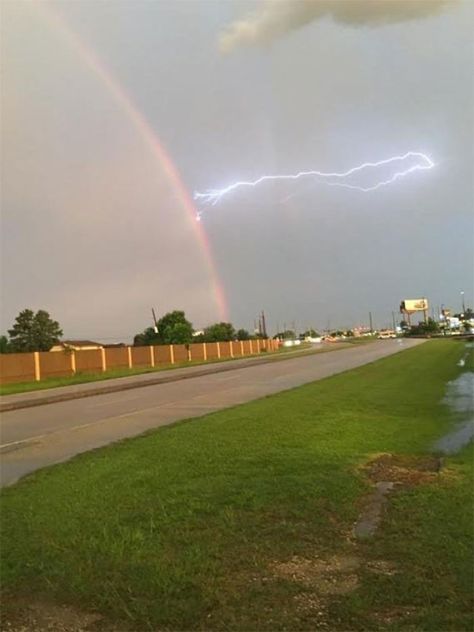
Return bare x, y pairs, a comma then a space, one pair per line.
213, 196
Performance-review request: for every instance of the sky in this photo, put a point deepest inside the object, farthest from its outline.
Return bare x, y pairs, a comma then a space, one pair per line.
115, 113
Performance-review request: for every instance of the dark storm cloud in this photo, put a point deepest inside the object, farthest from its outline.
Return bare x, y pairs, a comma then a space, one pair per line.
274, 19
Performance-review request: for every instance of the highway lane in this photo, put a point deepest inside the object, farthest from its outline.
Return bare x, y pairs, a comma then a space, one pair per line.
32, 438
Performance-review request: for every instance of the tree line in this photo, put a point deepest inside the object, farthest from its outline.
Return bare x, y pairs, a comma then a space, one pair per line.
39, 332
174, 328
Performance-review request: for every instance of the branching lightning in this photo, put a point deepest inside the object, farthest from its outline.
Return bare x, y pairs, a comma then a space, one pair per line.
335, 179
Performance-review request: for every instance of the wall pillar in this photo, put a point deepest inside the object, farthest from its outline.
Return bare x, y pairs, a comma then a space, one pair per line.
104, 360
218, 350
204, 351
37, 366
241, 347
171, 354
152, 356
130, 364
73, 362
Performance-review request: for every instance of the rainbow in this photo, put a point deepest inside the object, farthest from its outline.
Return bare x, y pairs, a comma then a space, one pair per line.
149, 136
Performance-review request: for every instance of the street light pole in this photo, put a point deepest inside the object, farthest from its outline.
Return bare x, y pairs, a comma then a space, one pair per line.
463, 305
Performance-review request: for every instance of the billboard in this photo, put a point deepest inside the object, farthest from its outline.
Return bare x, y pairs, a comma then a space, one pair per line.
412, 305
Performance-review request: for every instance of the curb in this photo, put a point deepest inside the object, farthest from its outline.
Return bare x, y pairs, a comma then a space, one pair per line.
163, 379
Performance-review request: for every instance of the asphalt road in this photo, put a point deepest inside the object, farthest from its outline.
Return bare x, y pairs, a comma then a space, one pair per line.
32, 438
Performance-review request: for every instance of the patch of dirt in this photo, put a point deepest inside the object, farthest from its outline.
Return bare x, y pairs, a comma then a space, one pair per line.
310, 604
326, 578
391, 616
403, 470
28, 615
382, 567
331, 576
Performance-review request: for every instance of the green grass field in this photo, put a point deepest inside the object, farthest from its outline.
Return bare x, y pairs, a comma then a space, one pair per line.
242, 520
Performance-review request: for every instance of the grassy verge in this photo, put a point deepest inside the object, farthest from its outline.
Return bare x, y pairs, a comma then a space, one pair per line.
223, 523
84, 378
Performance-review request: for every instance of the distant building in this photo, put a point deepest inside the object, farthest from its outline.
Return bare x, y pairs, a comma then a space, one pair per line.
77, 345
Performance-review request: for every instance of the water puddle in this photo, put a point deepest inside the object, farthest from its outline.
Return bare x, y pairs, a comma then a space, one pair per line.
388, 473
460, 399
369, 520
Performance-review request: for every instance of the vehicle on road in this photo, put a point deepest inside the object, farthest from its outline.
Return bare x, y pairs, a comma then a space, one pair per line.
384, 334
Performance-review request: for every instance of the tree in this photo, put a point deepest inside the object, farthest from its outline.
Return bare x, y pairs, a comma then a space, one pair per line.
34, 332
173, 328
147, 338
467, 326
4, 345
311, 333
179, 334
430, 327
288, 334
467, 315
219, 332
243, 334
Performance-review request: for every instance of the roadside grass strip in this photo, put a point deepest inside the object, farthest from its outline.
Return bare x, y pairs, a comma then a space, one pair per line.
99, 376
244, 519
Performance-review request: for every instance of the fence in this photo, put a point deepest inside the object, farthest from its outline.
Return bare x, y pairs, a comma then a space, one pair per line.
25, 367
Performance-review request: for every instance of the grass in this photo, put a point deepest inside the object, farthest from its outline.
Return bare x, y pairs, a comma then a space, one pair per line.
183, 528
86, 377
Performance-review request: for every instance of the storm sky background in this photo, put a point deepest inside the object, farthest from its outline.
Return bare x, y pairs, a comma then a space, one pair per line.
96, 232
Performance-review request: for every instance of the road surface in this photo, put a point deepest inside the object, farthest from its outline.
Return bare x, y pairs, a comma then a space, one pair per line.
32, 438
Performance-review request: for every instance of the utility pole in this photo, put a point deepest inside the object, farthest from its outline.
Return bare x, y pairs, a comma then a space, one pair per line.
393, 321
463, 304
154, 320
370, 321
264, 326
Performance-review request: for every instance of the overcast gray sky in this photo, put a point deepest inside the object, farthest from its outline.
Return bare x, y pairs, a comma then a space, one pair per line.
101, 99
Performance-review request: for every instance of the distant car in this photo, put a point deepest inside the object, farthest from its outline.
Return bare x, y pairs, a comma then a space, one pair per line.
384, 335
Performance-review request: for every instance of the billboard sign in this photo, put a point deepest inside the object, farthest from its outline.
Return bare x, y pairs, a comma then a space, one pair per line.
412, 305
